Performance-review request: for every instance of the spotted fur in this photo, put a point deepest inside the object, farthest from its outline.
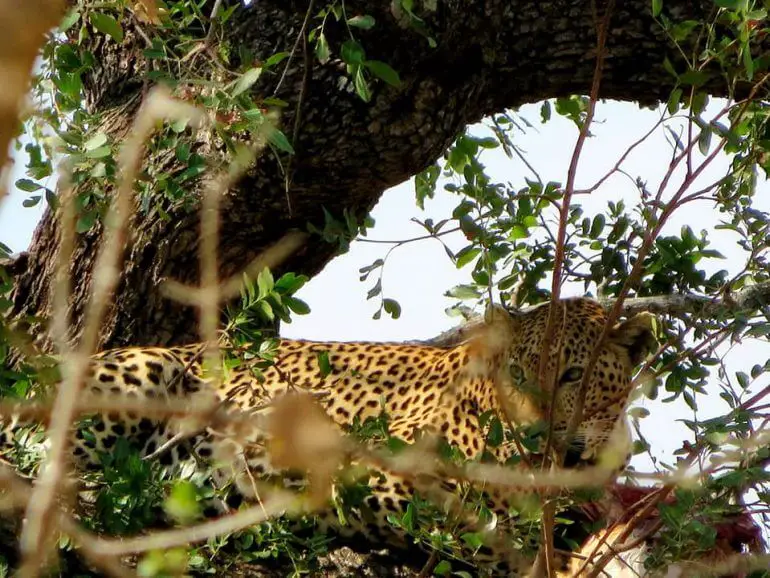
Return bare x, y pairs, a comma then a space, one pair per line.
421, 388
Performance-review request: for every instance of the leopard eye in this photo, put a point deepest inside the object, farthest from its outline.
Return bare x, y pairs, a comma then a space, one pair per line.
572, 374
516, 372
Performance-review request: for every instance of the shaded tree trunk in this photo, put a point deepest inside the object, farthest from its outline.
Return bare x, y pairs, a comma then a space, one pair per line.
489, 56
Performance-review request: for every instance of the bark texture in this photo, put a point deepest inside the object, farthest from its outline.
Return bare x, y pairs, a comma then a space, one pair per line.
489, 56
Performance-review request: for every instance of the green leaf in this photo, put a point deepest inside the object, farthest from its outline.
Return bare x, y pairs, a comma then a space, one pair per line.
266, 310
748, 63
51, 199
699, 101
246, 81
69, 83
743, 379
425, 184
95, 141
518, 232
276, 138
657, 6
467, 255
323, 363
464, 292
85, 222
322, 51
362, 86
597, 226
364, 22
704, 140
28, 186
352, 52
367, 269
298, 306
290, 283
668, 67
383, 71
374, 291
545, 111
265, 283
99, 153
392, 308
495, 435
31, 201
69, 20
106, 24
275, 59
638, 412
673, 100
182, 503
473, 539
694, 77
683, 30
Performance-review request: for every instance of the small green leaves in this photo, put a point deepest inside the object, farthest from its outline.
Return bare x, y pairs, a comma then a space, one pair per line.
673, 101
392, 308
467, 255
704, 140
96, 147
246, 81
322, 51
657, 6
572, 107
72, 18
324, 365
27, 185
85, 221
545, 111
361, 84
265, 283
182, 503
95, 141
464, 292
352, 52
383, 71
108, 25
425, 184
278, 139
364, 22
275, 59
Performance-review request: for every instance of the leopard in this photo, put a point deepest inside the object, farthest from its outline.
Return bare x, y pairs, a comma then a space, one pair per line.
444, 391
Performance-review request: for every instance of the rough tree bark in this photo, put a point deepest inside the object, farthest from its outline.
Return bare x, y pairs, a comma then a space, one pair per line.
490, 55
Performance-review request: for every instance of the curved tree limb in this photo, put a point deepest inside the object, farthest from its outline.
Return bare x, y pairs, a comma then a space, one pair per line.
748, 300
488, 57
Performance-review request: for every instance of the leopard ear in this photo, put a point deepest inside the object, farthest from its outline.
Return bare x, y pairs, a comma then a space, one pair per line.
637, 335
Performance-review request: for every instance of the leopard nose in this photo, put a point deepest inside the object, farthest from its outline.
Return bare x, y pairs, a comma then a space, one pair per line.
573, 457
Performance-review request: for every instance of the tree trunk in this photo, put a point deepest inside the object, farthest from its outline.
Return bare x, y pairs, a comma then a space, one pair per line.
489, 56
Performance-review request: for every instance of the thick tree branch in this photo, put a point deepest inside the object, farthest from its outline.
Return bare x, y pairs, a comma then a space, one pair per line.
748, 300
488, 56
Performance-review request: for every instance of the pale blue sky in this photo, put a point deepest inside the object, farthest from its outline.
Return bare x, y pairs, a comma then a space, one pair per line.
418, 274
